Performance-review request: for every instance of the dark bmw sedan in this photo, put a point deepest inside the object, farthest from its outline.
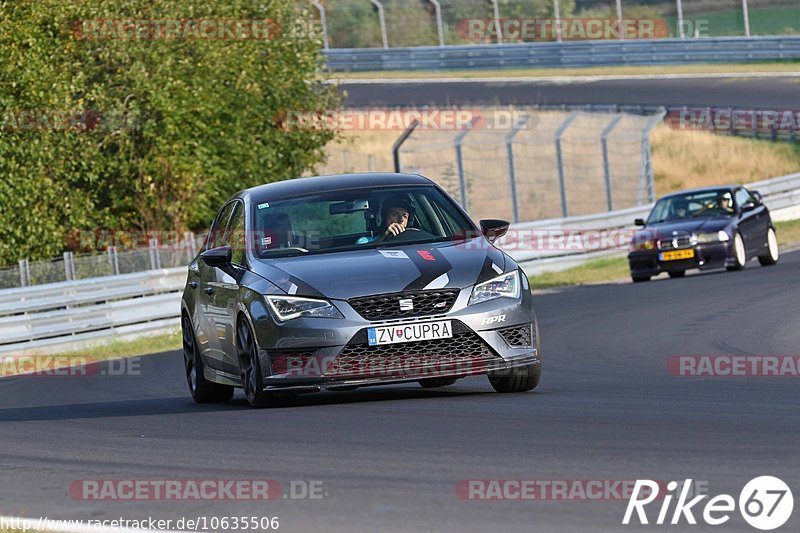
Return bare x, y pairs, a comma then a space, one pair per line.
339, 282
717, 227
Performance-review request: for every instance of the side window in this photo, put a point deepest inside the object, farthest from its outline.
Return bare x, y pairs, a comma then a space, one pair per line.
217, 233
234, 235
743, 197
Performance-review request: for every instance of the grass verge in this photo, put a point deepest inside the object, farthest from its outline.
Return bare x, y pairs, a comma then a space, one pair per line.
724, 68
616, 268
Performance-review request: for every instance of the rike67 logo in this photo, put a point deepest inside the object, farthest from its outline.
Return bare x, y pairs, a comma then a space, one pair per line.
765, 503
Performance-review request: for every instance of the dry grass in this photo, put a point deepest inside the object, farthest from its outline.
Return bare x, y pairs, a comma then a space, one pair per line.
686, 159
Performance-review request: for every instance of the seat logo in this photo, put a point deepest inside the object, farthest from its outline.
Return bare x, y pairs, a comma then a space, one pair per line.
406, 304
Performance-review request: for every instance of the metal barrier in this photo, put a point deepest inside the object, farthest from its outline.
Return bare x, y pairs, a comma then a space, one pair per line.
49, 317
566, 54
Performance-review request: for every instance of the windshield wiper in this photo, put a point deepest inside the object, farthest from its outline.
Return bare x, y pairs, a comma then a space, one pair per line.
291, 250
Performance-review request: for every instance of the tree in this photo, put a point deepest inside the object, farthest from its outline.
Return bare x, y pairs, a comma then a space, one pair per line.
161, 129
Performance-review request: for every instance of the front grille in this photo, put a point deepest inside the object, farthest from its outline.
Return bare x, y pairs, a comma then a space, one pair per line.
675, 242
387, 306
518, 336
465, 353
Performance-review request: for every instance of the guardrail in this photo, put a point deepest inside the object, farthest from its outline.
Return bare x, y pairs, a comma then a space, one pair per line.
43, 318
566, 54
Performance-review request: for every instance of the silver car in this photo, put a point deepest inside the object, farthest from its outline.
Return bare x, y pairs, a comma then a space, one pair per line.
339, 282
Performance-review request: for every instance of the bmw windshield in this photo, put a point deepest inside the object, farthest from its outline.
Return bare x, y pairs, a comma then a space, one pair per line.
355, 219
692, 205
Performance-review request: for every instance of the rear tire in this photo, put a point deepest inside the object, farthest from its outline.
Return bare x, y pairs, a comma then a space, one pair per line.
432, 383
773, 254
739, 253
201, 389
252, 378
639, 279
518, 379
677, 274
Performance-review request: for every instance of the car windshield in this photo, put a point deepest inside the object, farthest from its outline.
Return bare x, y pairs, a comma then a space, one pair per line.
692, 205
355, 219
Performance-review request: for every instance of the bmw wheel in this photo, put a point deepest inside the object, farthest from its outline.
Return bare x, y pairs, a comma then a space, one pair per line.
202, 390
772, 255
252, 379
739, 253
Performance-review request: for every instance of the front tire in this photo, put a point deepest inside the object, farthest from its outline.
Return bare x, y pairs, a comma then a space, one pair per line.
201, 389
520, 379
252, 378
773, 254
739, 253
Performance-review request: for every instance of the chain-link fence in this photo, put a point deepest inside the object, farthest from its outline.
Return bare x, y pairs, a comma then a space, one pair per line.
400, 23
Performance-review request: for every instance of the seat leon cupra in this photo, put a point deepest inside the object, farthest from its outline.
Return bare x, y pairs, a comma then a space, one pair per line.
338, 282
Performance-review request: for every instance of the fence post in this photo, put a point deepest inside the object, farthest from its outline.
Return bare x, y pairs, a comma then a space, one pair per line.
113, 258
746, 14
439, 26
346, 161
69, 267
371, 162
560, 161
497, 27
512, 174
620, 24
606, 166
155, 259
24, 273
462, 180
646, 172
681, 29
323, 21
399, 143
557, 15
382, 21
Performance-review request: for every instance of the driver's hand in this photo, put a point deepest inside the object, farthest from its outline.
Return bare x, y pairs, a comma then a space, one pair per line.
394, 230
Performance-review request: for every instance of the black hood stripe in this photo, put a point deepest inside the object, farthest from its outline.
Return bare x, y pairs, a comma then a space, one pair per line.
431, 264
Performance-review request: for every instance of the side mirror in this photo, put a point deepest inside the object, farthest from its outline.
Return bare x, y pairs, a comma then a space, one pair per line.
493, 229
749, 206
217, 257
639, 222
757, 196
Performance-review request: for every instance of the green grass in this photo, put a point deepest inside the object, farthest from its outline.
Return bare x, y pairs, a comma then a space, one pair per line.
788, 233
141, 346
725, 68
763, 21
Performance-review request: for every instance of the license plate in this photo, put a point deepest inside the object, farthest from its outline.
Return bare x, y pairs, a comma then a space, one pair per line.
677, 254
410, 332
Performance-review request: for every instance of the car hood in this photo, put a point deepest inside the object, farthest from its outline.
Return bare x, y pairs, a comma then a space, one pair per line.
343, 275
692, 225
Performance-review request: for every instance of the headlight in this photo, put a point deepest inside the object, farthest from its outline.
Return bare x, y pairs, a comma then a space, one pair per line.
642, 245
720, 236
505, 286
289, 307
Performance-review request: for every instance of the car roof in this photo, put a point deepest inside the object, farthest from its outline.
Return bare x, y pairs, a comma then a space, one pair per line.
730, 188
334, 182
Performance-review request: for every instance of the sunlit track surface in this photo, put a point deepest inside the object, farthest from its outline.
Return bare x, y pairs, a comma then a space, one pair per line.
775, 93
390, 457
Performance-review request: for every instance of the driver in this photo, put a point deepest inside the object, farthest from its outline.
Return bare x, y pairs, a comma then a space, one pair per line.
726, 202
396, 213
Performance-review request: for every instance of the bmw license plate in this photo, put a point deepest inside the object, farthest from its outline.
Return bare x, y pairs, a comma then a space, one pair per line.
677, 254
426, 331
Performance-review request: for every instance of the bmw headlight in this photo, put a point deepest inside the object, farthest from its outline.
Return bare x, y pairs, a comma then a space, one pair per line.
289, 307
505, 286
720, 236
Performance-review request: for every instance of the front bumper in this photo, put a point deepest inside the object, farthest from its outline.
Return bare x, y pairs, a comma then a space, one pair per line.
706, 257
308, 354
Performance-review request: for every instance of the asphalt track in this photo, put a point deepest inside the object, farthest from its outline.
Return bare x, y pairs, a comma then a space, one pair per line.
389, 458
758, 93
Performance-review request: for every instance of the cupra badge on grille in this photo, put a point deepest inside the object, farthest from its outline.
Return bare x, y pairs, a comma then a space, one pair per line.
406, 304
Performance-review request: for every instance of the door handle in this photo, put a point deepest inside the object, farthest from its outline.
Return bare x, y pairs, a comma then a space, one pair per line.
209, 290
193, 284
